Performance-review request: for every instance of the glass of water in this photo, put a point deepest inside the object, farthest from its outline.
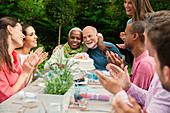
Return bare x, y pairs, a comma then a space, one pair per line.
31, 106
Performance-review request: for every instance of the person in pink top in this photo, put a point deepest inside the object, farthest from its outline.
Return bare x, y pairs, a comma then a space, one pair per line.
13, 77
156, 99
143, 64
143, 70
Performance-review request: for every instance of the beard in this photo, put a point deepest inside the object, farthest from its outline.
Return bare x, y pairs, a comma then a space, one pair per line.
90, 45
129, 48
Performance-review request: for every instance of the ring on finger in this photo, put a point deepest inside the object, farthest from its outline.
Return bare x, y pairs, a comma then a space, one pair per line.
31, 63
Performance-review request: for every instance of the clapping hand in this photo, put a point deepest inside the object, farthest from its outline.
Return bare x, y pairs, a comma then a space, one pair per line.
121, 46
122, 36
121, 107
111, 84
122, 75
113, 58
30, 62
35, 58
42, 56
120, 79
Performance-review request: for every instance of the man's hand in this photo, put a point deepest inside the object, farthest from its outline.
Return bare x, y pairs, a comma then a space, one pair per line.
122, 76
122, 35
103, 48
121, 107
115, 59
121, 46
111, 84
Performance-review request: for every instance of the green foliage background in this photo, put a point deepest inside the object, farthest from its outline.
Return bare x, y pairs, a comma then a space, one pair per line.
108, 16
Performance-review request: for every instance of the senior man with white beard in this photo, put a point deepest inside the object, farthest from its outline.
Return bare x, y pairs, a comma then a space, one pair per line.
90, 38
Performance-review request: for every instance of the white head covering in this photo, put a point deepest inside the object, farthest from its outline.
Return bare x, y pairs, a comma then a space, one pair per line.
74, 29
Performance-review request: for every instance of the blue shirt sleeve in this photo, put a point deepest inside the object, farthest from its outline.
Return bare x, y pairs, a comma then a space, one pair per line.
114, 49
100, 61
129, 21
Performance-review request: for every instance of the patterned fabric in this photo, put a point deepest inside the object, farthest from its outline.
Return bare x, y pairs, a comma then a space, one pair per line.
69, 52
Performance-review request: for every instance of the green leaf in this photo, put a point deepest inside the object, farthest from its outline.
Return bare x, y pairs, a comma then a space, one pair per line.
10, 5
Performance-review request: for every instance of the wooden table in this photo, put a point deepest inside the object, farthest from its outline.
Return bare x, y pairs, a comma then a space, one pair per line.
94, 106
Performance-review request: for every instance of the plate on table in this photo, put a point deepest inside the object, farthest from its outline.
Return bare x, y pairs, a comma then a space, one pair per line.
41, 84
82, 82
105, 72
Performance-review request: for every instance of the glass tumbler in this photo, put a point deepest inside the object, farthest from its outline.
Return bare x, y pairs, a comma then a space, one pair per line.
80, 95
31, 106
55, 108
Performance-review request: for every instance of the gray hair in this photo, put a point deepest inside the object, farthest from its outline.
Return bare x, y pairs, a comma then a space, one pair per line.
95, 30
74, 29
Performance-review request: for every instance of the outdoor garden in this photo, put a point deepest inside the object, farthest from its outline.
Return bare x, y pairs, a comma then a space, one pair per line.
52, 19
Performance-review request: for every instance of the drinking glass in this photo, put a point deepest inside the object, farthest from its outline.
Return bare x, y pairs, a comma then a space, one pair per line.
31, 106
80, 95
90, 75
55, 108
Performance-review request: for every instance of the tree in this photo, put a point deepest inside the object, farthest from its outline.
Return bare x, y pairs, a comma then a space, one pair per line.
61, 12
27, 11
158, 5
107, 16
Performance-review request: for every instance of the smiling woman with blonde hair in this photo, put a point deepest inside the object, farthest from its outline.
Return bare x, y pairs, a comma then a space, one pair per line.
136, 9
140, 8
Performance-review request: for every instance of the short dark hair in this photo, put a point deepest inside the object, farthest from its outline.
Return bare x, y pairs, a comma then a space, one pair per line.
159, 36
138, 27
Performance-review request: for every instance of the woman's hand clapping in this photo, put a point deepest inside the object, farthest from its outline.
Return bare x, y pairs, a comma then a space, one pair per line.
122, 36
